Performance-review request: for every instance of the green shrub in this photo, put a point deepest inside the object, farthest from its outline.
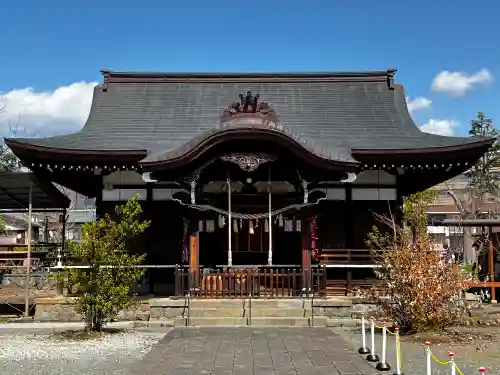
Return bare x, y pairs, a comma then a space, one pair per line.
103, 287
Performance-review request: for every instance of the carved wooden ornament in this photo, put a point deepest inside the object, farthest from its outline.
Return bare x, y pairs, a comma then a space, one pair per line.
246, 162
247, 106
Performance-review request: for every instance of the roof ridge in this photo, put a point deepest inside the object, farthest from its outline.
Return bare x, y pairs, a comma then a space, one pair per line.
116, 76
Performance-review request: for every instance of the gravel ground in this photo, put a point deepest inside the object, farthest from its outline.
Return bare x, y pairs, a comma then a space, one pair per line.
47, 353
469, 356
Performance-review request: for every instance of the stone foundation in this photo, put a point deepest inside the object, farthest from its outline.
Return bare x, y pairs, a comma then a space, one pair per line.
162, 309
62, 309
345, 308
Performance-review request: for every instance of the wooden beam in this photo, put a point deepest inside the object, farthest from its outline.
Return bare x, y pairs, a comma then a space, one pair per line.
194, 262
306, 252
482, 284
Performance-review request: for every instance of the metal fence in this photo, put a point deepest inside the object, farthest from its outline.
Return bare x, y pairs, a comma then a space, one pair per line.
18, 291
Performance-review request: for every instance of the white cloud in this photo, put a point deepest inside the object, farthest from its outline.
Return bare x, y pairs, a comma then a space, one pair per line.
418, 104
62, 110
456, 84
440, 127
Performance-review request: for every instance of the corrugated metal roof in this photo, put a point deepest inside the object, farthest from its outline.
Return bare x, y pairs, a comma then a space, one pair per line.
15, 192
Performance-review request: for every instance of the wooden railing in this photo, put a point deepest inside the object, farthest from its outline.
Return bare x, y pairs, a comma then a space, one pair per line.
258, 282
345, 256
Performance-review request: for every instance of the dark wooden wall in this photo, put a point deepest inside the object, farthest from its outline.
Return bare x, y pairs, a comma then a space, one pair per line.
345, 225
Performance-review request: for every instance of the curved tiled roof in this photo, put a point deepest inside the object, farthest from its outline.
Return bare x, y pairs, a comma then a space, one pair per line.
329, 114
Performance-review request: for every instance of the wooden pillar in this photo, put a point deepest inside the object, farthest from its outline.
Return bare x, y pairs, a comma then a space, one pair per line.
229, 225
349, 232
194, 260
491, 259
306, 253
150, 273
349, 222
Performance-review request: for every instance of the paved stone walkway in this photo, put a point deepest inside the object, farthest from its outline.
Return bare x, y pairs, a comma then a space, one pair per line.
253, 351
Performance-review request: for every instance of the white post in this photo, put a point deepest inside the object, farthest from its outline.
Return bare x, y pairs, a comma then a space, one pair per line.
373, 337
270, 233
428, 357
363, 338
372, 357
363, 349
383, 365
452, 364
229, 225
398, 354
384, 343
28, 257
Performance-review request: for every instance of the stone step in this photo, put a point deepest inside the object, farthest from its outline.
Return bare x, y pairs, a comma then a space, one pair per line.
257, 321
218, 303
276, 313
216, 312
211, 321
339, 323
254, 312
280, 321
281, 303
318, 321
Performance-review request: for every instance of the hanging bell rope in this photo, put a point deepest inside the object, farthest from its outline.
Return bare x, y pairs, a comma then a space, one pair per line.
236, 215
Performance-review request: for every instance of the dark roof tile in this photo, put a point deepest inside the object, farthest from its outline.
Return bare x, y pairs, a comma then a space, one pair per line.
330, 117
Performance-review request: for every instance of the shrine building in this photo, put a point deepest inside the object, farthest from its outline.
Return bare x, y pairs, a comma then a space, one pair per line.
270, 170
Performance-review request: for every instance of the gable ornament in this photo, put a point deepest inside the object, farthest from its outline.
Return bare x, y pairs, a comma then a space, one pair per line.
246, 162
249, 105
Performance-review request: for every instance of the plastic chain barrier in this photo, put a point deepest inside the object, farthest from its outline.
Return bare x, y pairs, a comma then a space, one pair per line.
451, 362
382, 364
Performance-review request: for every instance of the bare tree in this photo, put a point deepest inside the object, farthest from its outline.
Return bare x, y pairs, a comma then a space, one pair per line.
482, 185
61, 225
8, 161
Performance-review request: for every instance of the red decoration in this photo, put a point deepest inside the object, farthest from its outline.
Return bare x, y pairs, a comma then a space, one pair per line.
314, 239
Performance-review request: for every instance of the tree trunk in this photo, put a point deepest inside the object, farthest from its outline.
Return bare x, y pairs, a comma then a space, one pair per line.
469, 251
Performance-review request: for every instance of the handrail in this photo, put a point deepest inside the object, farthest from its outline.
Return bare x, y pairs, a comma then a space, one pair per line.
249, 321
346, 256
188, 318
132, 266
484, 284
312, 308
250, 266
342, 252
351, 265
187, 266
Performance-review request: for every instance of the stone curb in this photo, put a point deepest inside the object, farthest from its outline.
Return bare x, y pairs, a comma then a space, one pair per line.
59, 325
151, 324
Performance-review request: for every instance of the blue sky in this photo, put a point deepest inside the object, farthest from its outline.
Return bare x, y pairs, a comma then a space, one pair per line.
54, 44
